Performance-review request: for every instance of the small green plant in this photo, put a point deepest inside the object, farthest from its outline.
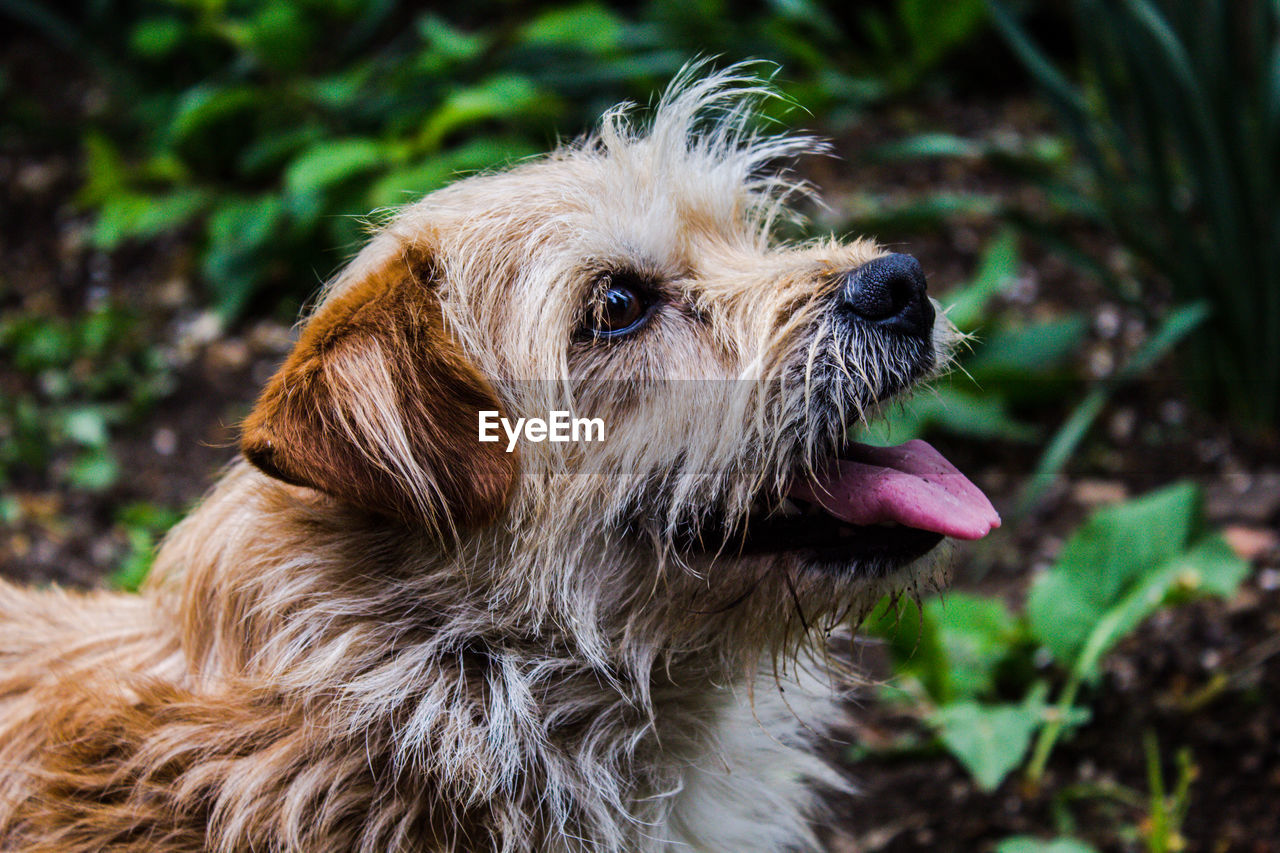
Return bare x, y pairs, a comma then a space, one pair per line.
1161, 830
1178, 143
71, 382
1160, 812
970, 659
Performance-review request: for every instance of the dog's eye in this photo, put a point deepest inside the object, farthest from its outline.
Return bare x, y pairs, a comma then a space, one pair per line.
621, 308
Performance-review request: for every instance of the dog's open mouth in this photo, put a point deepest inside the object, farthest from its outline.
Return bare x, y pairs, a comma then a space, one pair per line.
889, 505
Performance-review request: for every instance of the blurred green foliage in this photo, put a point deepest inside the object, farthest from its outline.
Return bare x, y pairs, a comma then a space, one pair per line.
271, 129
973, 661
69, 382
1176, 126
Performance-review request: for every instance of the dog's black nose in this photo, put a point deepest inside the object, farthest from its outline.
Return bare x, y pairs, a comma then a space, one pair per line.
889, 292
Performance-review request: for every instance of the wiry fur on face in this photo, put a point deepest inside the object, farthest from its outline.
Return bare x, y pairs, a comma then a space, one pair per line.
386, 635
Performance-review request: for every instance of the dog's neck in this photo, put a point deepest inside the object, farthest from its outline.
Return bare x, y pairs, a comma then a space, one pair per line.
274, 592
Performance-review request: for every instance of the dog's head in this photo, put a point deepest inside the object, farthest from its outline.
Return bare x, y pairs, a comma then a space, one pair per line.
633, 278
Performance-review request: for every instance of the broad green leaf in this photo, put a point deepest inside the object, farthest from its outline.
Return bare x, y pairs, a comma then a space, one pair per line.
143, 524
238, 230
128, 216
331, 162
913, 643
266, 153
1209, 568
973, 414
1027, 844
1015, 353
989, 740
105, 171
905, 421
405, 184
244, 223
589, 27
448, 42
502, 96
279, 35
975, 635
950, 407
1102, 560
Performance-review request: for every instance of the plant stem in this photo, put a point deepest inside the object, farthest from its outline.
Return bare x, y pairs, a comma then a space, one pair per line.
1049, 733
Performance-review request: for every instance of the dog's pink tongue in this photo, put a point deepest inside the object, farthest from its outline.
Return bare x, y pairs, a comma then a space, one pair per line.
911, 484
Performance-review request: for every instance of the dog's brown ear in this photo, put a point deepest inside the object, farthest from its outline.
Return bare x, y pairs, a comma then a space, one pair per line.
377, 405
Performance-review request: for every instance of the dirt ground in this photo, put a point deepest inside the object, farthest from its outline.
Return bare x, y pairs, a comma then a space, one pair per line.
1205, 677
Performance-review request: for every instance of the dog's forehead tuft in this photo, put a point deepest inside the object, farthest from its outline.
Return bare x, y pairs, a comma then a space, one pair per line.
699, 167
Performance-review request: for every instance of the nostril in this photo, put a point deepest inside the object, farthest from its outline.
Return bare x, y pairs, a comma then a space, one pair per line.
890, 291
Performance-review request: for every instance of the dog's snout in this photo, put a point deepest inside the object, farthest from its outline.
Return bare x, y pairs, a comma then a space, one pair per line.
889, 292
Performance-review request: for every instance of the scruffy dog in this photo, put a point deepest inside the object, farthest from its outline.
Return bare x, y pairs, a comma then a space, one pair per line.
380, 633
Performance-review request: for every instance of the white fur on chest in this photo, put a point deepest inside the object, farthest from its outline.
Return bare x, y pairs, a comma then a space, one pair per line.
755, 786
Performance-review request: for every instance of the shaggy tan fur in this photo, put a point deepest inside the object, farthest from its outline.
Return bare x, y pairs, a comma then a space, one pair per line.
378, 634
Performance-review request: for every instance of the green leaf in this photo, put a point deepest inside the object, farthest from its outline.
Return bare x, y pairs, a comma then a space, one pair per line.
105, 171
1103, 559
447, 42
975, 635
244, 223
156, 38
10, 508
501, 96
931, 145
956, 406
201, 108
913, 643
1209, 568
587, 27
1017, 352
331, 162
989, 740
404, 184
130, 216
143, 524
279, 35
239, 231
1028, 844
996, 270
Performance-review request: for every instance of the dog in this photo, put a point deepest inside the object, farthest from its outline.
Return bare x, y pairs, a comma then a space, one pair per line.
385, 630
